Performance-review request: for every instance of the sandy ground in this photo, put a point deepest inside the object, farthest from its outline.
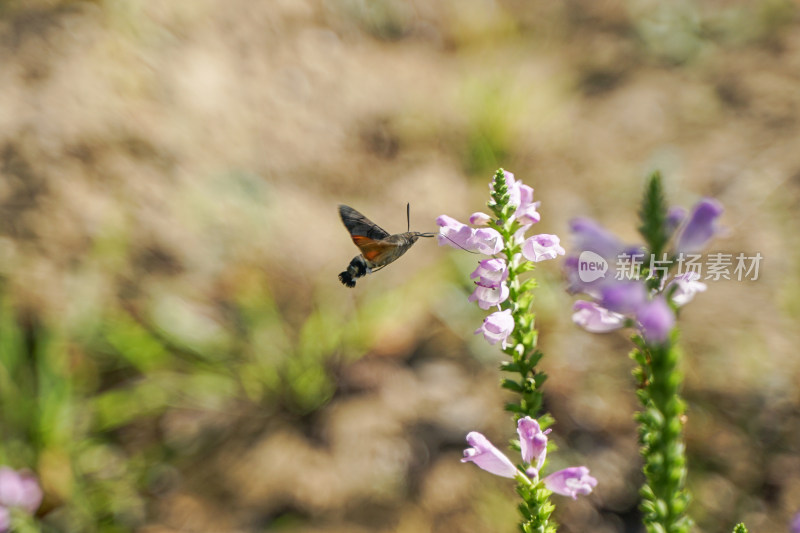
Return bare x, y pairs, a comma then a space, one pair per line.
172, 160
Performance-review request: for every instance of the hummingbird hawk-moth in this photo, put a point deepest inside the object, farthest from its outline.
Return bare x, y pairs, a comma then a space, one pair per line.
378, 248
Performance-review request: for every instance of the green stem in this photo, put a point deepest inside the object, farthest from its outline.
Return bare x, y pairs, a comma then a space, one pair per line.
536, 507
665, 498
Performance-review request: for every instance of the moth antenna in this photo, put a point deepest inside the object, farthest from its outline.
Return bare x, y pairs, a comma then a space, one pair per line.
408, 215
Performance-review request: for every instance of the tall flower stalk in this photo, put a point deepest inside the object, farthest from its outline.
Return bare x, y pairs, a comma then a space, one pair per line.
646, 293
514, 213
499, 285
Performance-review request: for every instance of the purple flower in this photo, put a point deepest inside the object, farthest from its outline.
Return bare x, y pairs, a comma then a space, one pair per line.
596, 245
533, 445
488, 297
794, 527
526, 212
486, 241
497, 327
457, 235
591, 236
656, 320
532, 441
596, 319
491, 272
571, 481
486, 456
453, 233
686, 286
479, 219
542, 247
623, 297
17, 489
521, 197
675, 216
701, 226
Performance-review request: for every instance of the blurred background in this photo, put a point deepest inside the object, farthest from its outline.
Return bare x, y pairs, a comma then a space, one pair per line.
176, 353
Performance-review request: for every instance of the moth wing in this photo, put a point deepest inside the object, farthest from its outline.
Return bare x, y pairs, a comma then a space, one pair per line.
360, 226
373, 250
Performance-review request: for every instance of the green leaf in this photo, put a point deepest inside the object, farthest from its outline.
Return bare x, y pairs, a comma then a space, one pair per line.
512, 385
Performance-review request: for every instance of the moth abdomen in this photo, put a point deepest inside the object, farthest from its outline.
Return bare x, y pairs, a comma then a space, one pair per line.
356, 269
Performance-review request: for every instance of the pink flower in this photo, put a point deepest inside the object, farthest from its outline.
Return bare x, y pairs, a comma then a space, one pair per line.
542, 247
526, 212
488, 297
571, 481
533, 445
687, 285
453, 233
486, 241
486, 456
596, 319
521, 197
479, 219
497, 327
532, 441
457, 235
17, 489
656, 320
491, 272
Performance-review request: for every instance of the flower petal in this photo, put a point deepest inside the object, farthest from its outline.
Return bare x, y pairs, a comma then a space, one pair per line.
542, 247
532, 441
701, 227
497, 326
596, 319
571, 481
484, 454
656, 320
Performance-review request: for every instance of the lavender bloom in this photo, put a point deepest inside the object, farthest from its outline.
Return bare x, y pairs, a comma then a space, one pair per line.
701, 226
488, 297
497, 327
589, 235
533, 445
532, 441
656, 320
675, 216
479, 219
542, 247
453, 233
794, 527
486, 456
601, 246
491, 272
686, 286
486, 241
526, 212
623, 297
17, 489
596, 319
571, 481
